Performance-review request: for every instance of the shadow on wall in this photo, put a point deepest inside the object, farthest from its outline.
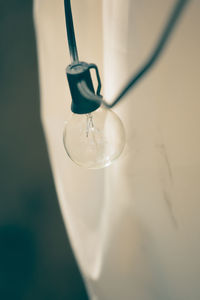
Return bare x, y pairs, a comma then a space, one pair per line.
36, 261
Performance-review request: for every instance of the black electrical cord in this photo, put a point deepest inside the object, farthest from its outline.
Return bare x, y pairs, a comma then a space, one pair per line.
85, 91
70, 32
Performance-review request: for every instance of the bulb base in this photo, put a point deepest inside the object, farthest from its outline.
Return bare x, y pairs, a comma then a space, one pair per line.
78, 73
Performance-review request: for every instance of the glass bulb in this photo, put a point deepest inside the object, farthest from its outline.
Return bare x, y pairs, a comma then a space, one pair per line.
94, 140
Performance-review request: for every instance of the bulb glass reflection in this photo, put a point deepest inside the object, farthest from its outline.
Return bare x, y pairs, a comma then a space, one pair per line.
94, 140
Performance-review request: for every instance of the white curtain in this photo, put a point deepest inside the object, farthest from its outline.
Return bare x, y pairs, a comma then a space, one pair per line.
134, 226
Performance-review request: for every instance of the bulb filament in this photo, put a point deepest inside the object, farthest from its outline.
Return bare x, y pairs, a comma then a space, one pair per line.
89, 124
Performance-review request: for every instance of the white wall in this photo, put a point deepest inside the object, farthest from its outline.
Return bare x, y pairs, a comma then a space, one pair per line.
134, 226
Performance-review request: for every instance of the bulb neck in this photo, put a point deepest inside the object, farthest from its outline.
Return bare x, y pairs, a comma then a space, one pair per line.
77, 73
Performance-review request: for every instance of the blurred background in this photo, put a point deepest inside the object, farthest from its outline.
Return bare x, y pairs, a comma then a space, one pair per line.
36, 261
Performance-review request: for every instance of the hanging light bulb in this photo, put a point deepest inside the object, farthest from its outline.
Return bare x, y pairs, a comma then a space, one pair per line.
94, 140
94, 136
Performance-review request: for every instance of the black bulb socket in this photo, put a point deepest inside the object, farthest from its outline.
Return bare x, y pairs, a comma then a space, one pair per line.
80, 72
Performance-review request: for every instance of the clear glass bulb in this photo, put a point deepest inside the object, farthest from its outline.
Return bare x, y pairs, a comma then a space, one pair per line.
94, 140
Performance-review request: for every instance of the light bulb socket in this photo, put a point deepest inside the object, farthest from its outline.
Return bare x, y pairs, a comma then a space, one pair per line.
77, 73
